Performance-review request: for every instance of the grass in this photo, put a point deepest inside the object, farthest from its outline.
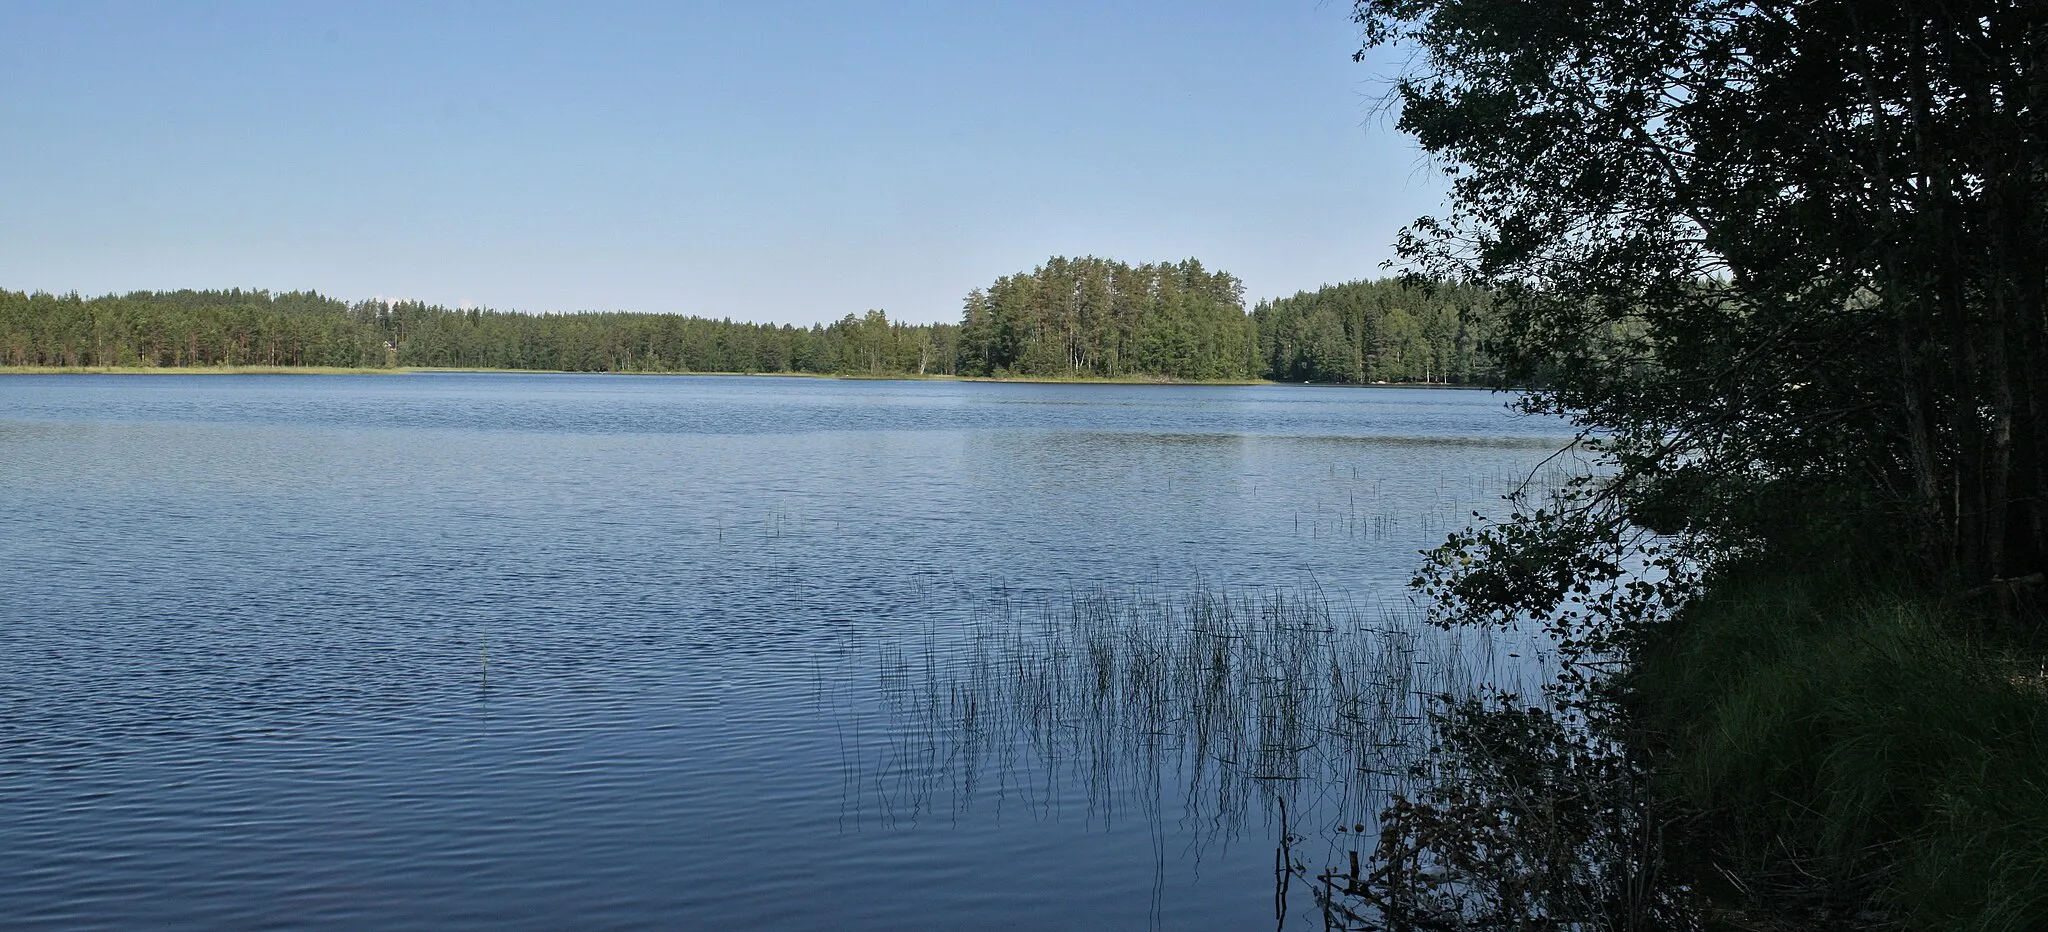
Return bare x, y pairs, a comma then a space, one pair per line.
1243, 700
1847, 747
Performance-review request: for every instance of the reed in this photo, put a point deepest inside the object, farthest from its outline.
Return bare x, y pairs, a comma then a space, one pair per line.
1232, 703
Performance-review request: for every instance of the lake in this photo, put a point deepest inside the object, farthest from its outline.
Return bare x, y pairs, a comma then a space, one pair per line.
545, 651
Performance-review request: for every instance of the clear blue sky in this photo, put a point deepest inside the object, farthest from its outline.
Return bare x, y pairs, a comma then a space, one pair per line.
784, 161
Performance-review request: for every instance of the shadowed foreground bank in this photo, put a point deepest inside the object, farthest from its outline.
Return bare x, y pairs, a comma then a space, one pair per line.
1842, 750
1792, 752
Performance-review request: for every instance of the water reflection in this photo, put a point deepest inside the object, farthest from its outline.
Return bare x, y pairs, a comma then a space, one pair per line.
1205, 716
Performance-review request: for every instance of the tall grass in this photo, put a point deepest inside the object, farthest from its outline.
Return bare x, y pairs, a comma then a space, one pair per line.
1846, 746
1208, 708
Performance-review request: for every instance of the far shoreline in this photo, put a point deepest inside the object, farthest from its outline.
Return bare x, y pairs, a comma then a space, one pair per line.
890, 377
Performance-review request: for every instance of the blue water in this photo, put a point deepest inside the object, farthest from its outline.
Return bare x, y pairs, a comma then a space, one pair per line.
550, 651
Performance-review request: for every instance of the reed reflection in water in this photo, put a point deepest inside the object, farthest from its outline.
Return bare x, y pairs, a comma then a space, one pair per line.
1201, 714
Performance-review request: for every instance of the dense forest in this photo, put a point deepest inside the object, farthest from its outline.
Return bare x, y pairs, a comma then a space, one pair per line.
1069, 318
299, 328
1093, 317
1383, 331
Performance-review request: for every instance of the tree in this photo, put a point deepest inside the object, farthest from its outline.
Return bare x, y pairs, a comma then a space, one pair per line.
1784, 259
236, 327
1371, 331
1095, 317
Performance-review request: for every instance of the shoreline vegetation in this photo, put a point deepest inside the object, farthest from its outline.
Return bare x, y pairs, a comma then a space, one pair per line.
1080, 320
1782, 264
1869, 752
855, 377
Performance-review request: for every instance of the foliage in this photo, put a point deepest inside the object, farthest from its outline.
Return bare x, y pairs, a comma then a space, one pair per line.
1522, 820
183, 328
1070, 318
1786, 265
1844, 743
1770, 252
1377, 331
238, 328
1601, 588
1097, 317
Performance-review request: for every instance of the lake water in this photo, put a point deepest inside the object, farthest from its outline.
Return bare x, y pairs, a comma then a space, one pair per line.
698, 652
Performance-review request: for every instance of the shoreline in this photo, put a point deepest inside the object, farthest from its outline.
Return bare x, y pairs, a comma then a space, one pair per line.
897, 377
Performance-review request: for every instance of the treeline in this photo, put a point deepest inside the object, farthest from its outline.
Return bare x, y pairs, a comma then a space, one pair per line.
1069, 318
1093, 317
299, 328
1380, 331
185, 328
870, 344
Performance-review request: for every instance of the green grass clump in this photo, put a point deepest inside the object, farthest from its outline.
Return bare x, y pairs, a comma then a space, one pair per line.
1851, 746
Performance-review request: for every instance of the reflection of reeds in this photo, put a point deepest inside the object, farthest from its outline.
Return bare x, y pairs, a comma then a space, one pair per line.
1226, 700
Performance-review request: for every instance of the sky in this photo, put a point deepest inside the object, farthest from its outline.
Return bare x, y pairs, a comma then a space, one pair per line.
779, 161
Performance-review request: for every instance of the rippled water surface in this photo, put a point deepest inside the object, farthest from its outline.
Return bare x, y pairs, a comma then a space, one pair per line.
611, 651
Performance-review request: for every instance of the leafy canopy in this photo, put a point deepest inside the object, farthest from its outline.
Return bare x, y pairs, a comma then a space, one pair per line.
1783, 261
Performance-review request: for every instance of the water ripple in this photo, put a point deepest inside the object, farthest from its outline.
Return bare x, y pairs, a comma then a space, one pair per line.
535, 652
